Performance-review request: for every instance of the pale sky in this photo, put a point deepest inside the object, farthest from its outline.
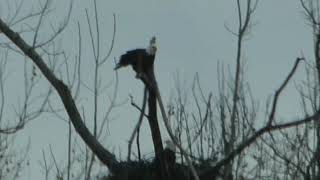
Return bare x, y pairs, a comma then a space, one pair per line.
191, 38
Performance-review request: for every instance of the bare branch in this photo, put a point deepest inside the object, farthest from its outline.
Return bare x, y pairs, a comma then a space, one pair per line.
278, 91
112, 42
144, 102
45, 7
254, 137
104, 155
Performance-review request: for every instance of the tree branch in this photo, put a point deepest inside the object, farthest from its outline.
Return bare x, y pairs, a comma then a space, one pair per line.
103, 154
207, 173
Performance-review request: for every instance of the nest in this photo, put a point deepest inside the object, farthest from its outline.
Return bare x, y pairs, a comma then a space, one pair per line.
146, 170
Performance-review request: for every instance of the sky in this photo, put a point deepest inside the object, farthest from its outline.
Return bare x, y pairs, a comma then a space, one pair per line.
192, 38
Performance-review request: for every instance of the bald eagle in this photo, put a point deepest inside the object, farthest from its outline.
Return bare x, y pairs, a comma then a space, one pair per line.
170, 152
169, 155
139, 59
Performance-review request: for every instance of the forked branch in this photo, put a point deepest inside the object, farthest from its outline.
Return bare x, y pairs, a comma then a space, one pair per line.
103, 154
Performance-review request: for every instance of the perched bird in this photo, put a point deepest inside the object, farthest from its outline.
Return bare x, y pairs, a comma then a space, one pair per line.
139, 59
170, 152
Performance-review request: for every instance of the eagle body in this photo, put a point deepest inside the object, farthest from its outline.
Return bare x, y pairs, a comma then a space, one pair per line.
170, 156
134, 58
170, 153
139, 59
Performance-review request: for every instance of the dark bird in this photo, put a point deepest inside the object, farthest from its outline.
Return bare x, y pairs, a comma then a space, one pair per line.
139, 59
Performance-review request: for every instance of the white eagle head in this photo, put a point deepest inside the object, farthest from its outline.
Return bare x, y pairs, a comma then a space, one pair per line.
152, 48
170, 145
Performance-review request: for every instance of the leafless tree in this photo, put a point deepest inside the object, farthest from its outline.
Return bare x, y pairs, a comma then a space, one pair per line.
218, 128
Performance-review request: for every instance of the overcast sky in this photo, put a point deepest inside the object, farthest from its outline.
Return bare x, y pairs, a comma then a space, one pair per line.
191, 38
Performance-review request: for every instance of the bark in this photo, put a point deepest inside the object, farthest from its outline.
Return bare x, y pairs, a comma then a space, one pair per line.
149, 81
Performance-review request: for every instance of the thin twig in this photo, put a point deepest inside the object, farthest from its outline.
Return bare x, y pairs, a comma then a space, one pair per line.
142, 113
278, 91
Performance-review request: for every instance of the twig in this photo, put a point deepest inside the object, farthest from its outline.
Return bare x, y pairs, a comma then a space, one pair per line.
278, 92
135, 131
253, 138
169, 130
105, 156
